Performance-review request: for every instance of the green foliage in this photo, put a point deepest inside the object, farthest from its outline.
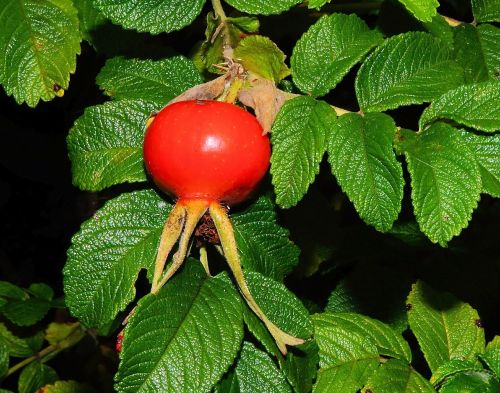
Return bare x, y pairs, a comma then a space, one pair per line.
263, 7
38, 47
492, 355
423, 10
35, 376
486, 10
472, 382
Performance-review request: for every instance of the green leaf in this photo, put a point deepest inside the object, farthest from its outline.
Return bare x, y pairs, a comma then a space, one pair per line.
261, 56
409, 68
90, 18
317, 4
41, 291
68, 387
56, 333
492, 355
152, 16
299, 142
474, 105
263, 7
108, 252
300, 366
423, 10
256, 372
486, 10
262, 244
489, 36
397, 376
155, 81
453, 367
11, 291
445, 179
184, 338
249, 24
38, 47
472, 382
486, 150
347, 358
16, 346
363, 161
4, 359
26, 312
259, 331
280, 305
105, 144
444, 326
328, 50
34, 376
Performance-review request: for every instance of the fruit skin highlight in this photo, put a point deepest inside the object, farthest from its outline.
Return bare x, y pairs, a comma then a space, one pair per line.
207, 150
206, 154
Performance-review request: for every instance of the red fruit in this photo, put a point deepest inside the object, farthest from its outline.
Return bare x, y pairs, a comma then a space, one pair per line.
119, 340
206, 150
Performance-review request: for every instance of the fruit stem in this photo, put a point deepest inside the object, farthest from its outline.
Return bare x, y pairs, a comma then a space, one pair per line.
194, 210
228, 242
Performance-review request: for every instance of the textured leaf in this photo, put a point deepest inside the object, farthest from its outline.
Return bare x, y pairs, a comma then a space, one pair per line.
446, 182
263, 7
397, 376
474, 105
486, 10
444, 326
107, 254
486, 149
489, 36
68, 387
300, 366
410, 68
328, 50
16, 346
26, 312
34, 376
363, 161
11, 291
41, 291
299, 142
260, 55
347, 358
39, 42
259, 331
423, 10
472, 382
105, 144
256, 372
4, 359
90, 18
263, 245
492, 355
280, 305
317, 4
184, 338
453, 367
156, 81
152, 16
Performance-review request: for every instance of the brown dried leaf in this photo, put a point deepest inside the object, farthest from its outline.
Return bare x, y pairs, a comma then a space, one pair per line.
206, 91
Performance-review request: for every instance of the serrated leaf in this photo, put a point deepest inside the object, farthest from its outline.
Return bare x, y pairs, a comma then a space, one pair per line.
409, 68
17, 347
472, 382
155, 81
387, 341
397, 376
262, 244
363, 161
280, 305
26, 312
489, 36
492, 355
11, 291
486, 150
299, 142
105, 144
68, 387
57, 332
317, 4
263, 7
256, 372
34, 376
261, 56
328, 50
444, 326
259, 331
4, 359
151, 15
445, 180
473, 105
423, 10
41, 291
108, 252
453, 367
90, 18
38, 48
347, 359
486, 10
248, 24
184, 338
300, 366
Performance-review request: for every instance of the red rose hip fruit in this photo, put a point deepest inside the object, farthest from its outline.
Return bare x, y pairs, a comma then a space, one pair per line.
206, 150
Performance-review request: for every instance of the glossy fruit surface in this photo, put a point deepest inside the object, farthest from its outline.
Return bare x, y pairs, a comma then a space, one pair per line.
206, 150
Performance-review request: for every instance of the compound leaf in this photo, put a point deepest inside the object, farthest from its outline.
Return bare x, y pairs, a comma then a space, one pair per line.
363, 161
39, 41
263, 7
299, 142
108, 252
445, 327
105, 144
409, 68
328, 50
185, 337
